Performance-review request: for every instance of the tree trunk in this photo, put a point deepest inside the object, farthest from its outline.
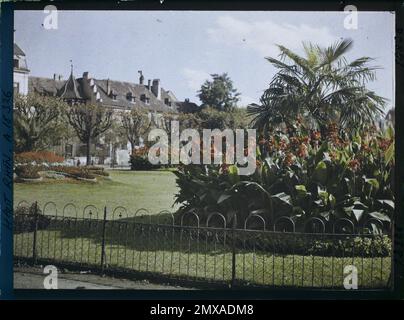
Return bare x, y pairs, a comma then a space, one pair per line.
88, 145
132, 147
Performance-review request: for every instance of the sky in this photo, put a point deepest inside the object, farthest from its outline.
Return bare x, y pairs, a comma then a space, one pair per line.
182, 48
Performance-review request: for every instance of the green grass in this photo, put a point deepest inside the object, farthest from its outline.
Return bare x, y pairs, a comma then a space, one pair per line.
158, 253
153, 190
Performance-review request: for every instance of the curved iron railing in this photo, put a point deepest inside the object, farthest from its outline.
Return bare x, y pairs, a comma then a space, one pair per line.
209, 247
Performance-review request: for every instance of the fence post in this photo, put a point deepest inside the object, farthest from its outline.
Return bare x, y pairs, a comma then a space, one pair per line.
36, 218
233, 258
104, 224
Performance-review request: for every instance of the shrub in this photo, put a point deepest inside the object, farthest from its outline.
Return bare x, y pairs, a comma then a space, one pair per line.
319, 245
27, 171
139, 160
38, 157
139, 163
301, 174
24, 218
380, 246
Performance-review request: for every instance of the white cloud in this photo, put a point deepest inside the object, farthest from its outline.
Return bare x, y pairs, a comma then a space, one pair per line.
262, 36
195, 78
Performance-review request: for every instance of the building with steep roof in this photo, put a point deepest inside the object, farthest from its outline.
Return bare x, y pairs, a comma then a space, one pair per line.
118, 95
21, 71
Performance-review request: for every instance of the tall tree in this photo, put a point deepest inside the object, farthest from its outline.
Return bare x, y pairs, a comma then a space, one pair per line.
322, 86
37, 122
219, 93
136, 124
89, 122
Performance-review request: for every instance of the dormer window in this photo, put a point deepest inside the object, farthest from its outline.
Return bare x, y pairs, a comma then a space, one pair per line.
16, 64
167, 102
145, 99
130, 97
113, 95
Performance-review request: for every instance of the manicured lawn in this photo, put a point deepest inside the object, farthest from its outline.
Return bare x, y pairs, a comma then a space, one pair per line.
208, 262
152, 190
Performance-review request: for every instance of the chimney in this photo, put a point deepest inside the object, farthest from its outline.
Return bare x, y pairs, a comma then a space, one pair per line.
54, 76
156, 88
141, 78
60, 77
108, 87
149, 84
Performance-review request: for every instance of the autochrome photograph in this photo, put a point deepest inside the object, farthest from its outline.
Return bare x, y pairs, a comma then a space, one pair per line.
203, 149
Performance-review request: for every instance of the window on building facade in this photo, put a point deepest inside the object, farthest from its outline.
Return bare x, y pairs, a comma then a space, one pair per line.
16, 87
16, 64
145, 99
167, 102
130, 97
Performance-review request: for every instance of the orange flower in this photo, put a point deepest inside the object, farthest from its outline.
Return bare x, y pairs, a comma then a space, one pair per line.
289, 159
384, 144
354, 164
315, 135
303, 151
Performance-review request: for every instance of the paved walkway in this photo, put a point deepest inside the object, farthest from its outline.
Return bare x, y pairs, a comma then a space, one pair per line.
33, 278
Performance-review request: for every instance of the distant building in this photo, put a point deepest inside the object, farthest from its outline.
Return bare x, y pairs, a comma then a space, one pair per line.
117, 95
21, 71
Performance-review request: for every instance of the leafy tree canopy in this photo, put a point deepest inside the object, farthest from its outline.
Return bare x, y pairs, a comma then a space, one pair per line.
219, 93
322, 86
37, 122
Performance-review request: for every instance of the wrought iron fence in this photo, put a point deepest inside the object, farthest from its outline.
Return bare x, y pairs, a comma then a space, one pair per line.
213, 251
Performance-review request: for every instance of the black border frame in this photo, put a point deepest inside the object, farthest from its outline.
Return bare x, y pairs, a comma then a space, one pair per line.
6, 152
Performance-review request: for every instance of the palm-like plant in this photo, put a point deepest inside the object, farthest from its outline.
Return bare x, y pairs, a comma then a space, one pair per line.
322, 87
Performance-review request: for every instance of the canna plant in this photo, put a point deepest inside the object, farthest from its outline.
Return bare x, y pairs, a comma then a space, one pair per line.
301, 174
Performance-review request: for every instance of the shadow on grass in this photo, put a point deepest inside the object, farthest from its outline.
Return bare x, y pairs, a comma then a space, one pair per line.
161, 233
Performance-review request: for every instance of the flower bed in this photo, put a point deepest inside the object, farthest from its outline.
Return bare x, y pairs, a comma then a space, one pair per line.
75, 172
99, 171
302, 175
38, 157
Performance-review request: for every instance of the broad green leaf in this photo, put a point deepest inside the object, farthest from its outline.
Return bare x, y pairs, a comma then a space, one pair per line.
301, 188
380, 216
233, 174
320, 173
358, 213
388, 203
373, 182
223, 198
358, 204
389, 132
283, 197
332, 200
326, 215
389, 154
